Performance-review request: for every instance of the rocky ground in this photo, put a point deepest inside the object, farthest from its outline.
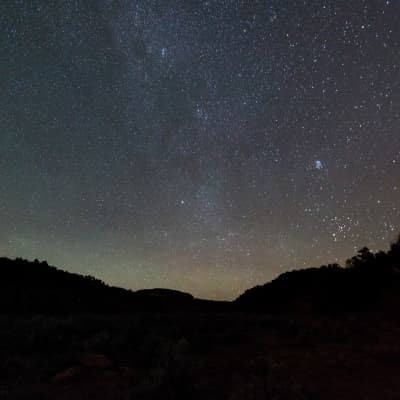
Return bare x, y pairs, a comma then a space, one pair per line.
200, 356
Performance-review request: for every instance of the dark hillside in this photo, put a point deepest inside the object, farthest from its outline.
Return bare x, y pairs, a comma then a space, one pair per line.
27, 287
300, 336
369, 281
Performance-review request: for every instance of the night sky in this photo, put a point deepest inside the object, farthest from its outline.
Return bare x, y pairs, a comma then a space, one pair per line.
205, 146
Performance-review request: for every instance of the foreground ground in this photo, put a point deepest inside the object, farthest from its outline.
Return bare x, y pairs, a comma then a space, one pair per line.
200, 356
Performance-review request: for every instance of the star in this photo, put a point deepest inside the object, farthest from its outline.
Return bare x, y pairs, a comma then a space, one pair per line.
204, 146
318, 164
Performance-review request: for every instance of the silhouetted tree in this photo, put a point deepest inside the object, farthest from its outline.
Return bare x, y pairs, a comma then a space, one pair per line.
394, 252
364, 258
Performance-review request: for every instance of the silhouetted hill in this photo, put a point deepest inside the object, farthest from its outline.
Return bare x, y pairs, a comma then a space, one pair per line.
369, 281
37, 287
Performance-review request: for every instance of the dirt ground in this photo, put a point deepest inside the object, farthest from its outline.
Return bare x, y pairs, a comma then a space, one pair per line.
200, 356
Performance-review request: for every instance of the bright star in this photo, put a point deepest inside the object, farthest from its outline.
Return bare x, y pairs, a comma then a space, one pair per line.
318, 164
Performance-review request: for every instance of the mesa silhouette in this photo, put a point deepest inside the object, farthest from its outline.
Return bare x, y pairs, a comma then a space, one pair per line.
368, 281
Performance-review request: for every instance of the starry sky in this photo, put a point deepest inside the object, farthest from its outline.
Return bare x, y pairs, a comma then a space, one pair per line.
205, 146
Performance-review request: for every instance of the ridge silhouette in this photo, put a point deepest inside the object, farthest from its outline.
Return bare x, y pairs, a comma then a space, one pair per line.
368, 280
27, 287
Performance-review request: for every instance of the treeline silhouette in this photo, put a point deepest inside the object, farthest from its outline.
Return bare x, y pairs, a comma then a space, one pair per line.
368, 281
27, 287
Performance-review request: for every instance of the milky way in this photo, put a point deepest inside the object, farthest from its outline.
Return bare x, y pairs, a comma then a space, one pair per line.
205, 146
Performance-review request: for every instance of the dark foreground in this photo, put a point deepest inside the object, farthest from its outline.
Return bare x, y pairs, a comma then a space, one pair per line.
200, 356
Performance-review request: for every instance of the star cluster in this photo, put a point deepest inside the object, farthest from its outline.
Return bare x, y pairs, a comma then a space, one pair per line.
205, 146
